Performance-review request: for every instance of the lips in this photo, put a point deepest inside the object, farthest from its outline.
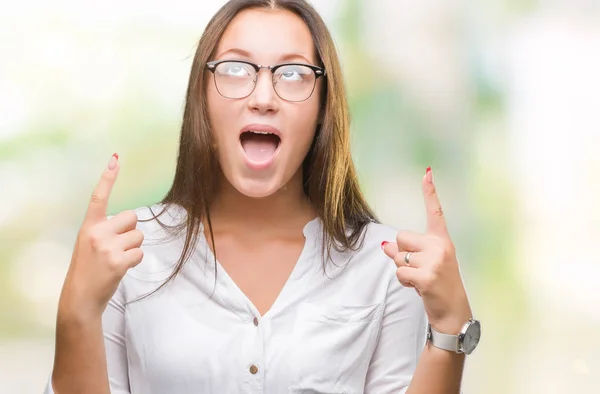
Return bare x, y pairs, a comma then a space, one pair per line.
259, 143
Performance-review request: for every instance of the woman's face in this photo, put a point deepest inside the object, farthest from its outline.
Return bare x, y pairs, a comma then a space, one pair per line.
263, 139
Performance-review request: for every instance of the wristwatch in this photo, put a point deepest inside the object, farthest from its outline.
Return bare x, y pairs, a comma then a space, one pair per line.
465, 342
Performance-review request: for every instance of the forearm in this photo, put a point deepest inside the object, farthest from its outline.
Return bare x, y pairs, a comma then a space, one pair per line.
80, 357
438, 372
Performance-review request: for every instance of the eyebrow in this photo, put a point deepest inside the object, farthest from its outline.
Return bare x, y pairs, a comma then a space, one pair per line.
245, 54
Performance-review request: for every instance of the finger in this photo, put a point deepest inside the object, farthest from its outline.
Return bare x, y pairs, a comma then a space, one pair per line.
122, 222
99, 202
131, 240
409, 275
132, 257
390, 248
436, 224
406, 284
410, 241
414, 259
410, 285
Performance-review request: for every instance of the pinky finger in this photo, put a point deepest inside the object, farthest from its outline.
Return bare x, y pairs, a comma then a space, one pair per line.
405, 284
133, 257
406, 274
408, 284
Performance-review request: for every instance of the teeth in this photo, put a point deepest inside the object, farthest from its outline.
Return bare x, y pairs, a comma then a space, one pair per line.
259, 132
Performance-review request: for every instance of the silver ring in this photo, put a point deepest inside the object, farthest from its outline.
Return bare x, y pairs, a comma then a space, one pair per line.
407, 258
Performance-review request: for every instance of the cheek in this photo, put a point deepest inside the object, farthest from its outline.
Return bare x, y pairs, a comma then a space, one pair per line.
306, 120
218, 112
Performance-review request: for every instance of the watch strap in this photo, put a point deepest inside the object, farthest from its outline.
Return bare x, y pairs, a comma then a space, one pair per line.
443, 341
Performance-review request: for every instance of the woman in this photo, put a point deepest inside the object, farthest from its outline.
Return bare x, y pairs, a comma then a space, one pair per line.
262, 270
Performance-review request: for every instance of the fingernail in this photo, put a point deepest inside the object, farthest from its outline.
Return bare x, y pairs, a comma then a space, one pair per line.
429, 175
383, 244
112, 164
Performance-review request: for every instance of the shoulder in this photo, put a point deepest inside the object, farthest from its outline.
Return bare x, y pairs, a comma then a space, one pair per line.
370, 251
366, 271
156, 218
378, 232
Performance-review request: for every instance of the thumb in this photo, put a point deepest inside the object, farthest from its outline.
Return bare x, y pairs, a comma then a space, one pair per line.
99, 201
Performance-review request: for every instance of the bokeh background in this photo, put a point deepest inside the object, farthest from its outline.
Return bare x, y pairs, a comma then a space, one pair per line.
500, 97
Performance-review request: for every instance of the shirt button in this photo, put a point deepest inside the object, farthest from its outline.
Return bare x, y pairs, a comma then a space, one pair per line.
255, 321
253, 369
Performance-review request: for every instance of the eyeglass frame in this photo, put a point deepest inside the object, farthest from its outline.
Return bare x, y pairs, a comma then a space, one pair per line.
318, 71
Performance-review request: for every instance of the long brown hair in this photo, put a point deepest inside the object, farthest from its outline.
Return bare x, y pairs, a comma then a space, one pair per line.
329, 176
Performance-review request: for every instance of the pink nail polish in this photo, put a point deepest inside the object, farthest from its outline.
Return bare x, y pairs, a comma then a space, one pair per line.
112, 164
429, 175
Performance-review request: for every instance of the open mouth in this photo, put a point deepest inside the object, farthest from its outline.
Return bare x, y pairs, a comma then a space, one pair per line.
259, 146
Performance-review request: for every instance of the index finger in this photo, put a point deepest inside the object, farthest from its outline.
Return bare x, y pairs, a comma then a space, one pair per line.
436, 224
99, 201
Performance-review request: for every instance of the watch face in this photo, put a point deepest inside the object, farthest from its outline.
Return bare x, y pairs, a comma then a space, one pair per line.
471, 337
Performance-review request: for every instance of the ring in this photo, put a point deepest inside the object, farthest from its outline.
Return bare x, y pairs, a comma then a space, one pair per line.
407, 258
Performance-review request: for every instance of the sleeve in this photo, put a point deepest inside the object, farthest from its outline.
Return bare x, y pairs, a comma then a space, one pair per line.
401, 340
113, 326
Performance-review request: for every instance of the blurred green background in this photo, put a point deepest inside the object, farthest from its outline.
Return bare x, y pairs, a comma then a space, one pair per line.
500, 97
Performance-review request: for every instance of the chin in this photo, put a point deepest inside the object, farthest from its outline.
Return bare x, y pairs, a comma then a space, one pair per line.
256, 188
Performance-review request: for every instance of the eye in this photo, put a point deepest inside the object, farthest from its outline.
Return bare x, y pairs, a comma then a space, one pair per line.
293, 73
234, 69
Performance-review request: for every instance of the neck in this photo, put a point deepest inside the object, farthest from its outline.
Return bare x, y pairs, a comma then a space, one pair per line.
282, 212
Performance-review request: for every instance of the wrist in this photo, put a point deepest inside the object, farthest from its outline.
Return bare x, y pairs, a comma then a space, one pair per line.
453, 322
77, 314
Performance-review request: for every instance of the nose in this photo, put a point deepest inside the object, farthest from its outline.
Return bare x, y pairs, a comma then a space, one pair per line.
264, 99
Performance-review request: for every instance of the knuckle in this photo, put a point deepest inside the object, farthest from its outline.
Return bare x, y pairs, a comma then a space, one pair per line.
139, 255
96, 198
139, 235
449, 249
111, 255
401, 235
95, 239
399, 276
444, 248
431, 279
440, 258
440, 250
135, 257
130, 216
427, 281
438, 211
399, 260
106, 177
435, 252
113, 262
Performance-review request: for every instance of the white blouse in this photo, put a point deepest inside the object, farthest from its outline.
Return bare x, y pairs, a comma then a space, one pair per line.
354, 329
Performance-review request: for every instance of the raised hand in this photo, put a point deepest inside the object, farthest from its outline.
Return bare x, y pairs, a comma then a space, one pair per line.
428, 263
105, 249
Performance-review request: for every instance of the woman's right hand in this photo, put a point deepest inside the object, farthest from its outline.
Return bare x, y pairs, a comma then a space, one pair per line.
104, 250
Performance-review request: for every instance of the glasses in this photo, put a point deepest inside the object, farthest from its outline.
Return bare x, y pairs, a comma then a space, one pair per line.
236, 79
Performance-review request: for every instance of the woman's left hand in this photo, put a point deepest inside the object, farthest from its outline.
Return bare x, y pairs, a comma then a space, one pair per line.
432, 267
